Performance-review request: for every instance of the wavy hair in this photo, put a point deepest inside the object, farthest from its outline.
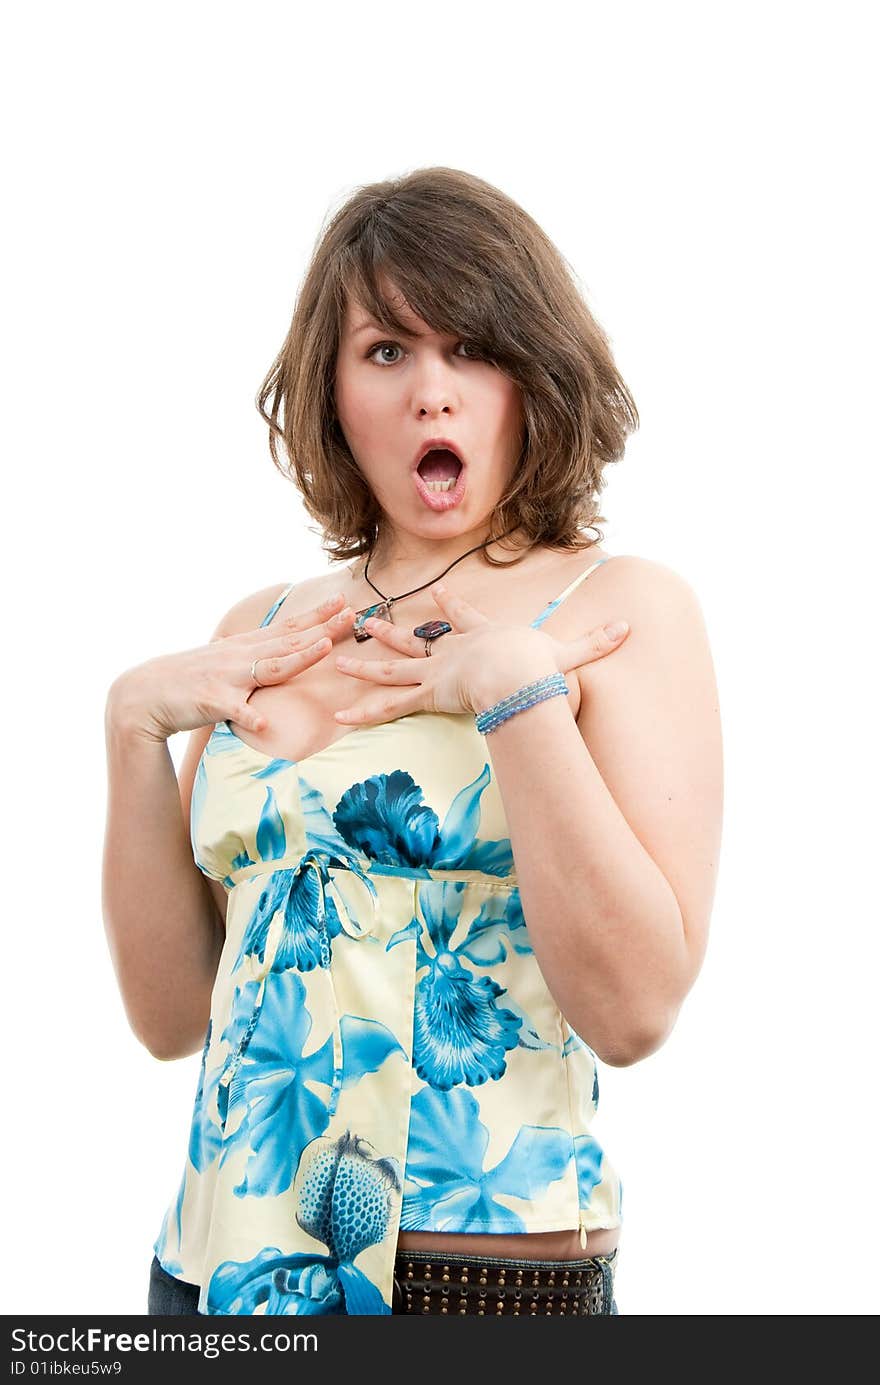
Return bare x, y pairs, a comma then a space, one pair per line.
470, 262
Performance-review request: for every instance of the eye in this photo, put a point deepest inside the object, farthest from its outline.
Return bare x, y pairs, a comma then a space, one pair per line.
383, 346
473, 352
476, 353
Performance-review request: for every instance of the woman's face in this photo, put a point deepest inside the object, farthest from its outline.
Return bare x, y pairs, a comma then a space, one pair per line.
393, 393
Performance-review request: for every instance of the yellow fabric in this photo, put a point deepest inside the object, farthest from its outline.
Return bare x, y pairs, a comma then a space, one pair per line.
383, 1051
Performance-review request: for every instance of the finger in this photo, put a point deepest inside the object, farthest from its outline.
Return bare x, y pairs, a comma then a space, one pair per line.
277, 668
288, 638
244, 715
404, 641
595, 645
460, 613
311, 619
394, 671
374, 711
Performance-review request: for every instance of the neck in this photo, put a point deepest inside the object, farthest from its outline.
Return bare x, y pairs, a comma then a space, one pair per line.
409, 561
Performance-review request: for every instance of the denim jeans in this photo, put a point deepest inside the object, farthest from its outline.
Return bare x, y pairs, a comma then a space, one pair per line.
168, 1295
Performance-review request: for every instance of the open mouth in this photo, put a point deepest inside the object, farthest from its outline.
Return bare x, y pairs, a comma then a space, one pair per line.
440, 470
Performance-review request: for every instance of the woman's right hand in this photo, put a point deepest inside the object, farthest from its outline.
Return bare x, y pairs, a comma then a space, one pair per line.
198, 687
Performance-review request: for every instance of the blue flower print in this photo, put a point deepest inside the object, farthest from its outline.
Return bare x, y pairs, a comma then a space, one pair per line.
446, 1186
574, 1043
197, 804
197, 800
206, 1134
588, 1157
385, 819
221, 740
299, 892
271, 1088
296, 891
460, 1034
345, 1195
204, 1137
499, 925
160, 1245
239, 861
345, 1199
287, 1284
224, 739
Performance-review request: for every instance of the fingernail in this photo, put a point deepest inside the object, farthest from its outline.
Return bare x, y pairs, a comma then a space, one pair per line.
616, 629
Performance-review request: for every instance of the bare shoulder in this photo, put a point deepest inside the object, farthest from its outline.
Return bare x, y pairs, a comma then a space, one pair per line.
644, 592
248, 613
632, 573
667, 638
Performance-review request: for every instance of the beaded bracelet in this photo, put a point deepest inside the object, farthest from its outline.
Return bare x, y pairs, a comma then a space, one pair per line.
552, 685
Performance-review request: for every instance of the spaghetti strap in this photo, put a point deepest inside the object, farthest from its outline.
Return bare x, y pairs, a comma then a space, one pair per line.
557, 601
539, 620
267, 619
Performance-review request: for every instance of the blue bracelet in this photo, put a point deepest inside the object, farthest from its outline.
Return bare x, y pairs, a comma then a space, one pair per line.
527, 696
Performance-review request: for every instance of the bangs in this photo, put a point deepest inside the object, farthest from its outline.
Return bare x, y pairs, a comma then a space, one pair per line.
386, 270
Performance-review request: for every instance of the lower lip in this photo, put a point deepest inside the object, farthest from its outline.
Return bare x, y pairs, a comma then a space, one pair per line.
441, 500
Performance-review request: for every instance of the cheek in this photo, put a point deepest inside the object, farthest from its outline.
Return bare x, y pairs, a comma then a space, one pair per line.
340, 398
353, 417
507, 412
503, 396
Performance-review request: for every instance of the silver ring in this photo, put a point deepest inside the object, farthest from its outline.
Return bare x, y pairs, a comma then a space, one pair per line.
420, 632
254, 674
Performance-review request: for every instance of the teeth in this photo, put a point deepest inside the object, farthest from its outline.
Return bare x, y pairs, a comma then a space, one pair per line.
440, 485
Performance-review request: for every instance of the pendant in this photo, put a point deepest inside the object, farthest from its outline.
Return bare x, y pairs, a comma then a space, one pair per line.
381, 610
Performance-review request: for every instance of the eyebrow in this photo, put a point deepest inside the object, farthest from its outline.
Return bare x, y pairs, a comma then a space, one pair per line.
377, 327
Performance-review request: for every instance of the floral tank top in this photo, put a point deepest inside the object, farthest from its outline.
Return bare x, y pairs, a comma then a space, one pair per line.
383, 1052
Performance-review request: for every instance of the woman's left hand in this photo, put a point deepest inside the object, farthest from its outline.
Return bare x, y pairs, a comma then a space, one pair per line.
466, 667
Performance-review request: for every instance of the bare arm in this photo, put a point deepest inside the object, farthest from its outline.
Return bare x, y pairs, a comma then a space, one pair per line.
163, 925
164, 920
615, 819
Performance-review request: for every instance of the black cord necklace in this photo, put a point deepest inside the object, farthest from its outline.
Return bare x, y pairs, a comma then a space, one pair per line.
382, 609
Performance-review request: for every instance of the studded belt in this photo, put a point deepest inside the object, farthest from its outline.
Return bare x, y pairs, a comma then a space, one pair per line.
455, 1284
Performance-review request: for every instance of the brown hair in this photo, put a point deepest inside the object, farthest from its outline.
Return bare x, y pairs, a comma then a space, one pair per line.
469, 261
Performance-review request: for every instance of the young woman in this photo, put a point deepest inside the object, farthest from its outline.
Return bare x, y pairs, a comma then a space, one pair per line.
450, 843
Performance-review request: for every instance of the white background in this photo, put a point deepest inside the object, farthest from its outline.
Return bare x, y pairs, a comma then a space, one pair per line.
707, 171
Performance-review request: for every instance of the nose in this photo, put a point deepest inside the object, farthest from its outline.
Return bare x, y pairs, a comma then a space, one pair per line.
435, 390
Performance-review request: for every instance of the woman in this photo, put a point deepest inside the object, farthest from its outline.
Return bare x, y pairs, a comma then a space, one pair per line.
419, 899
